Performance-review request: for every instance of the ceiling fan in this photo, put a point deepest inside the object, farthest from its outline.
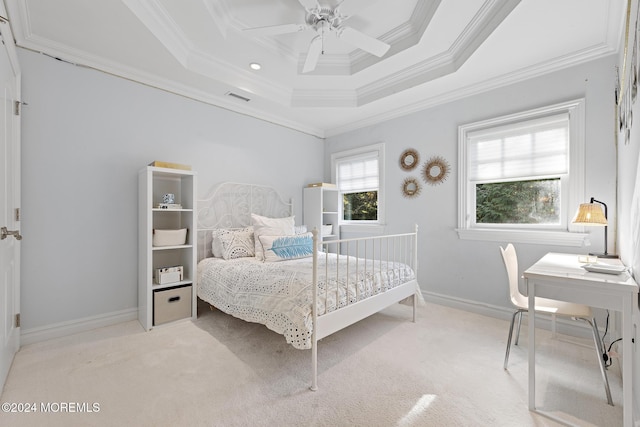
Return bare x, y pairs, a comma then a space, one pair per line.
324, 20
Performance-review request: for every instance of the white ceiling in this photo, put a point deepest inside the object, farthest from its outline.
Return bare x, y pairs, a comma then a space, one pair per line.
440, 50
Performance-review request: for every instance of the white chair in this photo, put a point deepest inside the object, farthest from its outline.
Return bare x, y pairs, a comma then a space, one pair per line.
548, 306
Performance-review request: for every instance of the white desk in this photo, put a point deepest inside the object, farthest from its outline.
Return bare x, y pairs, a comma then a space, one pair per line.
561, 277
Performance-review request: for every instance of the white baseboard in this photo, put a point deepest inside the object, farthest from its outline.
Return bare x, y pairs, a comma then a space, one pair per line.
563, 326
57, 330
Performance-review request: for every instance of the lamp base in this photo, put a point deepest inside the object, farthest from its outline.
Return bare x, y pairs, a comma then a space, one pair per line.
604, 255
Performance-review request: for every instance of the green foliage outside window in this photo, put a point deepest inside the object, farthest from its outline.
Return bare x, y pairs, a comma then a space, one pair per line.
519, 202
360, 206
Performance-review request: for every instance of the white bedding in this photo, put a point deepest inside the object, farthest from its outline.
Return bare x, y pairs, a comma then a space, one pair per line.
278, 294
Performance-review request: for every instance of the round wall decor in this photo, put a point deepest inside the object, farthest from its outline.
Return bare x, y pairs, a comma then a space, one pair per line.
410, 187
409, 159
435, 170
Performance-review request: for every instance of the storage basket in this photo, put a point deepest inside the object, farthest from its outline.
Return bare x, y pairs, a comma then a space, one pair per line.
169, 237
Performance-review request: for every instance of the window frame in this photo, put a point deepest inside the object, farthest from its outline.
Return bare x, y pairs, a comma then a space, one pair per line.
572, 186
355, 153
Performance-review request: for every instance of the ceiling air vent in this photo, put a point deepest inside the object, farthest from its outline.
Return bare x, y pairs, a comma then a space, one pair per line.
235, 95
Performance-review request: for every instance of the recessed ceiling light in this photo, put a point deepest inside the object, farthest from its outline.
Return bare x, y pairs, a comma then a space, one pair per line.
255, 66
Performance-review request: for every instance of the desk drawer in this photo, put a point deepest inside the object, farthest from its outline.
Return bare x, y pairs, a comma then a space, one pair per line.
171, 304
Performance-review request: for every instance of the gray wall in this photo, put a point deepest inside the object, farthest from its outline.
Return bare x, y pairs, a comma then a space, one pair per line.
473, 271
85, 136
629, 198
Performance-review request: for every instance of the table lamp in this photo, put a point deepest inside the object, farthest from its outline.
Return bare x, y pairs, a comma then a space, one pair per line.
591, 214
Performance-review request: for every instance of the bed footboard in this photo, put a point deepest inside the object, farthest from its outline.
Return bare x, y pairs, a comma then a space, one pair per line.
368, 275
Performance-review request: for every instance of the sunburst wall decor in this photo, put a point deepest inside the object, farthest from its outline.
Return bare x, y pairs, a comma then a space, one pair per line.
435, 170
410, 187
409, 159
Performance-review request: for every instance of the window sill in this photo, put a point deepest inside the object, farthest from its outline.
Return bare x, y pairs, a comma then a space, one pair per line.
557, 238
362, 228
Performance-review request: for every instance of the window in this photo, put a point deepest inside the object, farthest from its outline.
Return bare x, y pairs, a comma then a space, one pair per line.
359, 174
535, 202
521, 176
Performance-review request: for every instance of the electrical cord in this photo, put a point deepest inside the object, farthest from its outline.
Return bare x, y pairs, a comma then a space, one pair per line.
608, 350
608, 361
605, 355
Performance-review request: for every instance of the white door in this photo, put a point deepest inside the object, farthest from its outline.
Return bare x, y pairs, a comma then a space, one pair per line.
9, 200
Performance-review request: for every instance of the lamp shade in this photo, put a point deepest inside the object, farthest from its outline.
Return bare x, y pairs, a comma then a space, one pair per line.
590, 214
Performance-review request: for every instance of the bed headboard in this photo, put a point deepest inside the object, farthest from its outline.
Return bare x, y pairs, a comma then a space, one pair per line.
230, 205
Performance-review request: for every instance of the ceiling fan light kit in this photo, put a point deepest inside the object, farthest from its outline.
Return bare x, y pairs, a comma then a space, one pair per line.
324, 20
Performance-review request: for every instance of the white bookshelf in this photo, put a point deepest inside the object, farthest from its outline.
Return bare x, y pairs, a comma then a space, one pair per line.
321, 207
158, 304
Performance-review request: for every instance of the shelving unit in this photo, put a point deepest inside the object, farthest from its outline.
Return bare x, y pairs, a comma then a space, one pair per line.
321, 207
158, 304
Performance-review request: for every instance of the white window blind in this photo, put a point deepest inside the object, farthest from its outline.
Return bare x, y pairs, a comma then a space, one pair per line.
358, 173
533, 148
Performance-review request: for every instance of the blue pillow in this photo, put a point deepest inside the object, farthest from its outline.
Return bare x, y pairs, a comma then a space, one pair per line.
281, 248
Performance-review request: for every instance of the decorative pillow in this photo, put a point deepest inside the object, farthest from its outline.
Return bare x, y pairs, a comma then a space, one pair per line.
238, 244
216, 246
282, 248
300, 229
263, 226
218, 233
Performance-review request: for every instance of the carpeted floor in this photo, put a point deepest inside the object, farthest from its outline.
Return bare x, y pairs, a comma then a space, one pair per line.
444, 370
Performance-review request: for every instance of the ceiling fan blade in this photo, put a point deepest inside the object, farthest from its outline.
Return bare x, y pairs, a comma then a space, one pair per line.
308, 4
363, 41
315, 50
353, 7
273, 30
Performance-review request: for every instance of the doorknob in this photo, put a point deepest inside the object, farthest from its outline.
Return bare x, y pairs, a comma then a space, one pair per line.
4, 233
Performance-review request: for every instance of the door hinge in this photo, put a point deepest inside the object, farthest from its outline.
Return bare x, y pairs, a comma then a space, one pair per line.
17, 214
16, 108
17, 320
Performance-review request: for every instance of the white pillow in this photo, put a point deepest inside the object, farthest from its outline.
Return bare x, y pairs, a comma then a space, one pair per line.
282, 248
238, 244
217, 235
263, 226
216, 245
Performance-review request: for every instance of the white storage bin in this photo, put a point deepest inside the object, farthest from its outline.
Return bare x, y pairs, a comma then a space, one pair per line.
169, 237
169, 275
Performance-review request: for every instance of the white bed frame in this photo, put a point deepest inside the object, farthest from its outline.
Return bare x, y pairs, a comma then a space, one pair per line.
230, 205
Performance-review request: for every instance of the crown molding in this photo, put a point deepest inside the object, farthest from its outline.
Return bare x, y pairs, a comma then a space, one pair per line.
271, 44
211, 67
489, 17
219, 14
85, 60
320, 98
263, 88
328, 65
586, 55
474, 34
20, 19
400, 38
155, 17
157, 20
39, 44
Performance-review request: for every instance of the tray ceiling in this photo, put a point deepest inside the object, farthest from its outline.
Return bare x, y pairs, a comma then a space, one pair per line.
438, 50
